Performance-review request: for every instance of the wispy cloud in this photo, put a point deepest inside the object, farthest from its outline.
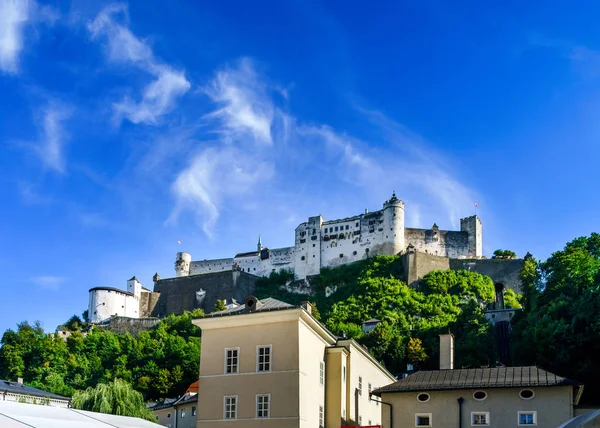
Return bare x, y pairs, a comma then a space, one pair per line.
13, 16
261, 146
49, 282
50, 145
122, 46
244, 106
584, 60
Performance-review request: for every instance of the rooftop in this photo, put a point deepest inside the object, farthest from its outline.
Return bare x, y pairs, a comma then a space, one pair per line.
19, 388
268, 304
497, 377
117, 290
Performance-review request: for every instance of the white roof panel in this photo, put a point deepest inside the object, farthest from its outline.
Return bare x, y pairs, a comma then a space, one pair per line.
19, 415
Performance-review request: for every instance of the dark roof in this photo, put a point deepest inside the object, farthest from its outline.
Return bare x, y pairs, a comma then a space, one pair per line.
268, 304
112, 289
498, 377
249, 254
172, 402
19, 388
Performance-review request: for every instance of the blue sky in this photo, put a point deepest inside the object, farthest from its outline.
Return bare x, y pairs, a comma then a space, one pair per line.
126, 127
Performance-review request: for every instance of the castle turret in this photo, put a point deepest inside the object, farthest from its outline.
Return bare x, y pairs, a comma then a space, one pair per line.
182, 264
393, 218
259, 246
134, 287
472, 225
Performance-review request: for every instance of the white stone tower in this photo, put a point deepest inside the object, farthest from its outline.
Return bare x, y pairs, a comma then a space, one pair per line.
134, 287
182, 264
393, 221
472, 225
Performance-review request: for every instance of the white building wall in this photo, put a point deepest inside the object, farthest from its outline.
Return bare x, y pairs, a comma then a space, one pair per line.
105, 303
320, 243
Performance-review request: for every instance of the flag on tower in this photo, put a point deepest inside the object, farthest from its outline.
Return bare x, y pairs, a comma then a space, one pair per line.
179, 241
476, 204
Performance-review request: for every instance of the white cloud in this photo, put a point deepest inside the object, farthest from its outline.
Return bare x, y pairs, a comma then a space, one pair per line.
50, 146
49, 282
259, 146
244, 105
13, 16
158, 97
214, 175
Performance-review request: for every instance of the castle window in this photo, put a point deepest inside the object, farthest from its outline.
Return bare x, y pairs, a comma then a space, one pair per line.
341, 255
347, 227
336, 228
325, 230
353, 253
356, 224
302, 258
314, 231
314, 245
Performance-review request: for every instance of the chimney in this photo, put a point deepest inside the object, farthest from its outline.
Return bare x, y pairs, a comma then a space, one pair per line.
446, 351
307, 306
20, 380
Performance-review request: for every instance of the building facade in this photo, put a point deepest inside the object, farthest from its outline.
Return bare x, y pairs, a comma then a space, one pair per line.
270, 364
319, 243
107, 302
499, 397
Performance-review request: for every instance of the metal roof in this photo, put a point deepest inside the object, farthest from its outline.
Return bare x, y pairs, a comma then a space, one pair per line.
112, 289
21, 415
498, 377
268, 304
19, 388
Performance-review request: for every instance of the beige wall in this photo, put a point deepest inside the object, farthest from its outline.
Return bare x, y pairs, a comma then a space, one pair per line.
312, 394
361, 365
246, 332
553, 405
187, 421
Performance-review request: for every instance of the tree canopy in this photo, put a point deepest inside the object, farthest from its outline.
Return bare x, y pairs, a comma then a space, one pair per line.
115, 398
160, 362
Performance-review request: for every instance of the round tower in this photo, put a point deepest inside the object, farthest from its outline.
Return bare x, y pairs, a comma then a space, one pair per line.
393, 220
182, 264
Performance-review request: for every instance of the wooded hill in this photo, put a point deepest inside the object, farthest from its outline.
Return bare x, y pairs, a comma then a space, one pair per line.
558, 328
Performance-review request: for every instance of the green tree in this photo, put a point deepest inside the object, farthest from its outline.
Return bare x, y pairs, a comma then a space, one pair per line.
415, 353
219, 306
115, 398
504, 254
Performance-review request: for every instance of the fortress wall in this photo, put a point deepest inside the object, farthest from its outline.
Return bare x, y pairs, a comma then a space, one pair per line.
418, 264
132, 325
445, 243
148, 301
201, 291
209, 266
502, 271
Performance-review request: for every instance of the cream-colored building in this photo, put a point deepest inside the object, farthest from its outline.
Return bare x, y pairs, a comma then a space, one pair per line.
269, 364
500, 397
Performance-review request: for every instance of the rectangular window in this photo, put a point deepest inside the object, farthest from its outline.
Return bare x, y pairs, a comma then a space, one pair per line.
347, 227
370, 389
322, 373
344, 374
360, 420
230, 407
423, 420
527, 418
263, 358
321, 417
360, 385
194, 411
263, 404
480, 418
232, 360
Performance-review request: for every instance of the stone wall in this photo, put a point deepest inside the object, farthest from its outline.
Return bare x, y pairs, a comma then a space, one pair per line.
148, 301
201, 291
501, 271
417, 264
132, 325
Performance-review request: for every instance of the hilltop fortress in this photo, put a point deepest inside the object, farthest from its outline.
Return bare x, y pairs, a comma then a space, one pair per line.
320, 243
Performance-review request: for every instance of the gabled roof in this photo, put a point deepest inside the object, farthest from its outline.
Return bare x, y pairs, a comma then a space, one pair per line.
498, 377
19, 388
268, 304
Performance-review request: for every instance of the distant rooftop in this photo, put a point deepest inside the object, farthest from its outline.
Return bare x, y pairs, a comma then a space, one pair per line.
498, 377
19, 388
268, 304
